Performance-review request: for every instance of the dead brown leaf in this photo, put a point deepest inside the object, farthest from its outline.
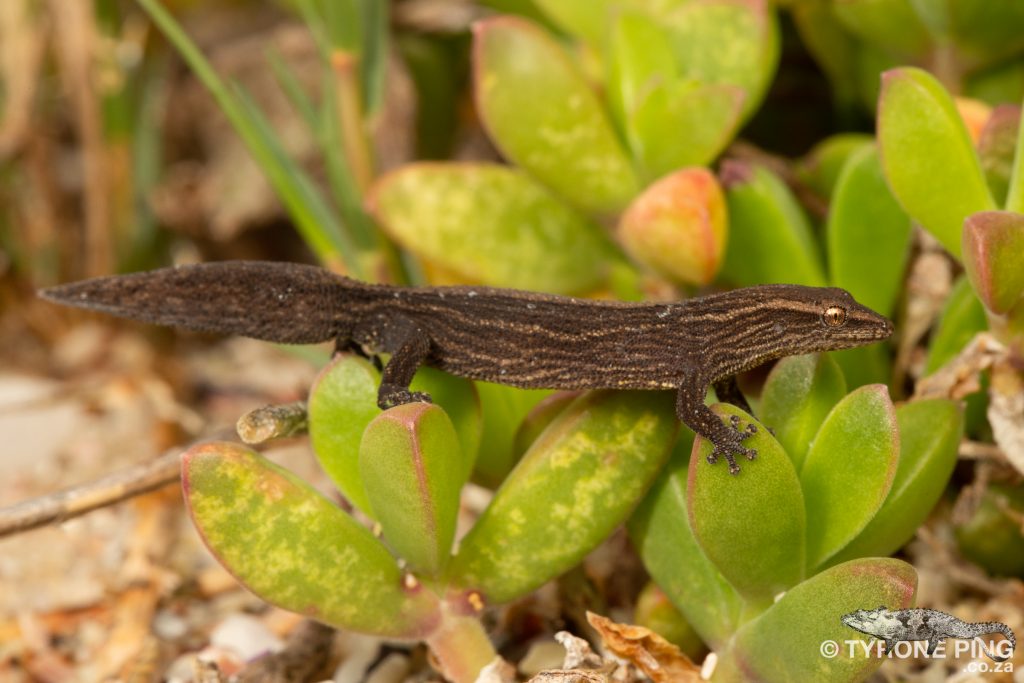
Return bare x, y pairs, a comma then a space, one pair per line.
662, 661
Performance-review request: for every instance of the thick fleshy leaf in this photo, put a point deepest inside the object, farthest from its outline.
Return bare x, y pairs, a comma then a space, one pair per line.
864, 365
751, 525
575, 485
770, 240
543, 116
869, 235
798, 394
296, 549
540, 418
821, 167
962, 317
585, 18
892, 25
504, 409
681, 124
641, 58
493, 225
678, 226
412, 473
996, 149
993, 243
983, 31
927, 155
930, 434
660, 531
849, 470
831, 45
700, 28
786, 643
343, 400
992, 536
655, 611
1015, 191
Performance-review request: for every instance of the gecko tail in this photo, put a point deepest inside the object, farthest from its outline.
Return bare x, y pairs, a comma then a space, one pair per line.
279, 302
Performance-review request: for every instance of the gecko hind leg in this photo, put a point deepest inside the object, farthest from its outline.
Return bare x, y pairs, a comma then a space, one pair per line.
398, 373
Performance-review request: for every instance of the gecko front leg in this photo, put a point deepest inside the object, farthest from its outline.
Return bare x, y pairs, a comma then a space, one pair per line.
727, 440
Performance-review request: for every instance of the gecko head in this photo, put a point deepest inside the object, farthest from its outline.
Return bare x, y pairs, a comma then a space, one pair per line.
872, 621
824, 318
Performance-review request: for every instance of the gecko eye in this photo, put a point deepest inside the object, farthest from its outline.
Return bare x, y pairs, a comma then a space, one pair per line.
834, 316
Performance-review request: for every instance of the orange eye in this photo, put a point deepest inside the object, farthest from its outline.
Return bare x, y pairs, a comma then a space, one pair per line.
834, 316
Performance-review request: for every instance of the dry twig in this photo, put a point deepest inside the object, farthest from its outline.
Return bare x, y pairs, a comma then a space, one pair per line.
78, 500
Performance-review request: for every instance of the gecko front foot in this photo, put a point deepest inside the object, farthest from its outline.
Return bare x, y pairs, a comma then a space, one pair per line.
732, 446
390, 396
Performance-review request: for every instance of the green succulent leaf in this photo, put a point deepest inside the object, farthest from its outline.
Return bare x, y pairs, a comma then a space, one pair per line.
961, 319
503, 411
982, 31
770, 240
751, 525
296, 549
869, 235
784, 643
992, 537
412, 472
655, 611
641, 58
682, 124
699, 29
831, 45
579, 481
927, 155
521, 237
1015, 192
543, 413
930, 432
678, 226
993, 243
584, 18
798, 395
821, 168
849, 470
542, 114
892, 25
661, 532
343, 401
997, 146
864, 365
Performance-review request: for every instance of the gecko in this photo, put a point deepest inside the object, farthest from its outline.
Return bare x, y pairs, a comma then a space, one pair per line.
507, 336
894, 626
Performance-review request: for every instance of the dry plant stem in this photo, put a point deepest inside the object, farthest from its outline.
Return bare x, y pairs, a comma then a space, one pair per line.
78, 500
272, 422
76, 39
461, 648
350, 115
304, 658
21, 51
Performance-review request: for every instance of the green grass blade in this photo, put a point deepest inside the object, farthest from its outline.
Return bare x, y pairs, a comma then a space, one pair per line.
293, 90
318, 226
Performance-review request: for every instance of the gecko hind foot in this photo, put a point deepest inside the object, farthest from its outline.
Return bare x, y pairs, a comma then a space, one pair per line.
391, 396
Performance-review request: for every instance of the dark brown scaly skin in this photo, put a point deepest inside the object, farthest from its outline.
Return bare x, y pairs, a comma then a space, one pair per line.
523, 339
